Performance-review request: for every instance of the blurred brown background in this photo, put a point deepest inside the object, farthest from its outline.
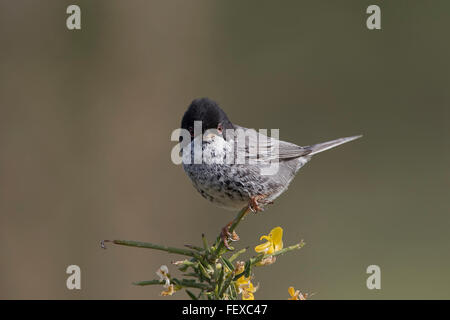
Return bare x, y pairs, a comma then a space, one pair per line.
86, 118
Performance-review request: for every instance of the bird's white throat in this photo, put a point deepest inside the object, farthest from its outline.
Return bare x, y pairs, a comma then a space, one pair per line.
212, 150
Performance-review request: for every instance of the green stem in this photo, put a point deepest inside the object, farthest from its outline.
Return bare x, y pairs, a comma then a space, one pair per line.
190, 246
149, 245
183, 283
205, 243
238, 219
148, 282
226, 284
258, 258
277, 253
234, 256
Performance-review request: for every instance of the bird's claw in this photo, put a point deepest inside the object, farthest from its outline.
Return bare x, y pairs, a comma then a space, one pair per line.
254, 204
226, 236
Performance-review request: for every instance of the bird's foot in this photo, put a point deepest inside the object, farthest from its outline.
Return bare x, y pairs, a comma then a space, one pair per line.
256, 202
226, 235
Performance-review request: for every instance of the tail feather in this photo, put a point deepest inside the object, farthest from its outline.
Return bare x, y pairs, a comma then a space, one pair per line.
316, 148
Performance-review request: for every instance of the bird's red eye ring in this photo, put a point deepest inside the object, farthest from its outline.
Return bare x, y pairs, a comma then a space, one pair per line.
191, 131
220, 128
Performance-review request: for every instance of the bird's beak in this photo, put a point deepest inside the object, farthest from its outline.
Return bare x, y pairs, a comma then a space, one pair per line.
210, 136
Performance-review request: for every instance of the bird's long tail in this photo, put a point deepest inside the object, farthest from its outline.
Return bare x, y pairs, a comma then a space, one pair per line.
316, 148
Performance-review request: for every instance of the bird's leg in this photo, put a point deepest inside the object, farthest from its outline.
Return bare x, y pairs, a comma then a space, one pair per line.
226, 235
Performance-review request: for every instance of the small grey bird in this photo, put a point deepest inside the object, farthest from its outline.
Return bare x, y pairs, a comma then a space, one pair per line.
232, 184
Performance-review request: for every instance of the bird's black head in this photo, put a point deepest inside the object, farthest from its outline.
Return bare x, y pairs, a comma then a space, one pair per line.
209, 113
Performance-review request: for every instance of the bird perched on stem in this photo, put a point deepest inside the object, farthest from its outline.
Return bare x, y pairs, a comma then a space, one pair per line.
236, 167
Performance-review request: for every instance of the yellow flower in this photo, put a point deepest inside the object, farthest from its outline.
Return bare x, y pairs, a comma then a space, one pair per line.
170, 291
296, 295
274, 242
247, 294
242, 282
246, 288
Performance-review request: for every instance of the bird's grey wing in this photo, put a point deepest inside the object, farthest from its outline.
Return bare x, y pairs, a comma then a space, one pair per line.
262, 148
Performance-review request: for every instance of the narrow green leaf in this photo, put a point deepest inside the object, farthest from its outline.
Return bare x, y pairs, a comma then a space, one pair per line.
220, 280
226, 284
191, 295
190, 274
183, 268
188, 280
190, 246
203, 271
233, 292
238, 276
248, 266
176, 281
234, 256
148, 282
149, 245
227, 263
205, 243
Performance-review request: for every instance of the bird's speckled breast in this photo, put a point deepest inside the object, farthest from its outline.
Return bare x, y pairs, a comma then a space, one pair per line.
227, 185
232, 185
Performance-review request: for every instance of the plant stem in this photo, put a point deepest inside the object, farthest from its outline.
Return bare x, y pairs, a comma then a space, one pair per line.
253, 261
277, 253
234, 256
205, 243
183, 283
238, 218
149, 245
226, 284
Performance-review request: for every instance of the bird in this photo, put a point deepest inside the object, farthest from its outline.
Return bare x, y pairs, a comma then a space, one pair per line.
233, 169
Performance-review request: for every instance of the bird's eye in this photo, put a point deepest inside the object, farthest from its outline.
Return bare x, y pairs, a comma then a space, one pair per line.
191, 131
220, 128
